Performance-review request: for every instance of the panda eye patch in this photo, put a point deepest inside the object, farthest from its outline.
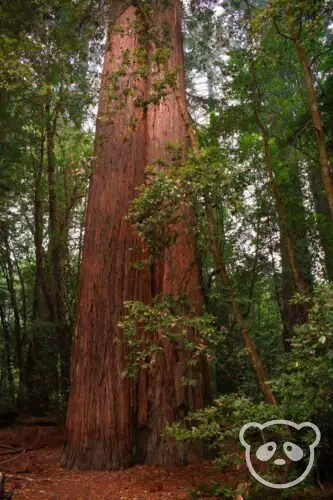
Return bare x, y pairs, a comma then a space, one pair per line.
266, 451
293, 451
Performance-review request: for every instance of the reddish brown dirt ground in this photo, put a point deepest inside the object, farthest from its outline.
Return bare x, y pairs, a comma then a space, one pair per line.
35, 473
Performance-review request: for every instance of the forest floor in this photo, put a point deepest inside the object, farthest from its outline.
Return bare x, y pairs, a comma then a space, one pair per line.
30, 459
35, 473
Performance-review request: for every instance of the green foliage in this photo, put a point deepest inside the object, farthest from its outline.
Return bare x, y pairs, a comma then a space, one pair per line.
49, 59
303, 386
49, 53
216, 491
173, 184
293, 14
156, 209
223, 420
147, 328
309, 369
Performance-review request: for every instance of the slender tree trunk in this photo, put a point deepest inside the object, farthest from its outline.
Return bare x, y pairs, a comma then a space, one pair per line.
293, 314
238, 316
222, 270
41, 373
301, 284
291, 192
56, 257
80, 250
23, 295
325, 166
42, 297
277, 287
296, 231
102, 409
57, 250
10, 377
323, 218
10, 278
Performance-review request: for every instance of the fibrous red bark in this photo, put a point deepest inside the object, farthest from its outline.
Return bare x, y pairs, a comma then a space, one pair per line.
178, 273
113, 421
100, 421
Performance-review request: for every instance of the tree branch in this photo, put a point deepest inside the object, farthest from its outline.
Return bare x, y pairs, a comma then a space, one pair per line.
287, 37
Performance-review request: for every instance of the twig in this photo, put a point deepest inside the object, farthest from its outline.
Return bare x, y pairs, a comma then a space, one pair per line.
21, 452
11, 452
280, 33
314, 58
19, 478
299, 132
13, 458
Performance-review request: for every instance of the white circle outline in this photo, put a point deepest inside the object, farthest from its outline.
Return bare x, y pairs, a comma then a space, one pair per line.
279, 422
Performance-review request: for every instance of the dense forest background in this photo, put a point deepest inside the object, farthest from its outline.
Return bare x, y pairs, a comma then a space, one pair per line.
258, 179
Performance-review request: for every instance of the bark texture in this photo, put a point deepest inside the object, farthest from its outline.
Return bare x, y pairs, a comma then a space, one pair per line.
179, 272
113, 421
101, 411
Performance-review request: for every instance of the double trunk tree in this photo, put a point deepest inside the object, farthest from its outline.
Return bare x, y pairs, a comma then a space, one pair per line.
112, 420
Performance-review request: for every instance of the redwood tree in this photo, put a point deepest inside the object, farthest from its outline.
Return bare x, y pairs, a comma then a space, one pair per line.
113, 421
100, 419
178, 271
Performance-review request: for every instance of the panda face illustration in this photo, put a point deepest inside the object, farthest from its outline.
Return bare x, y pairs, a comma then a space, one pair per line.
277, 454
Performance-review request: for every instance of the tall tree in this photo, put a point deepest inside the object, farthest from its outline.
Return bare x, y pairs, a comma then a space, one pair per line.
140, 110
301, 18
178, 270
102, 402
47, 86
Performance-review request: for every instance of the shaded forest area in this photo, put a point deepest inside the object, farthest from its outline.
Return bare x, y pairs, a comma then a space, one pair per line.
166, 275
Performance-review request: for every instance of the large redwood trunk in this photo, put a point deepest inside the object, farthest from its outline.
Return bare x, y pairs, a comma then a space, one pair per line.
102, 406
113, 421
168, 398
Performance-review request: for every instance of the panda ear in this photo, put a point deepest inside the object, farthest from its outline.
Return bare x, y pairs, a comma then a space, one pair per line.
250, 433
309, 433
